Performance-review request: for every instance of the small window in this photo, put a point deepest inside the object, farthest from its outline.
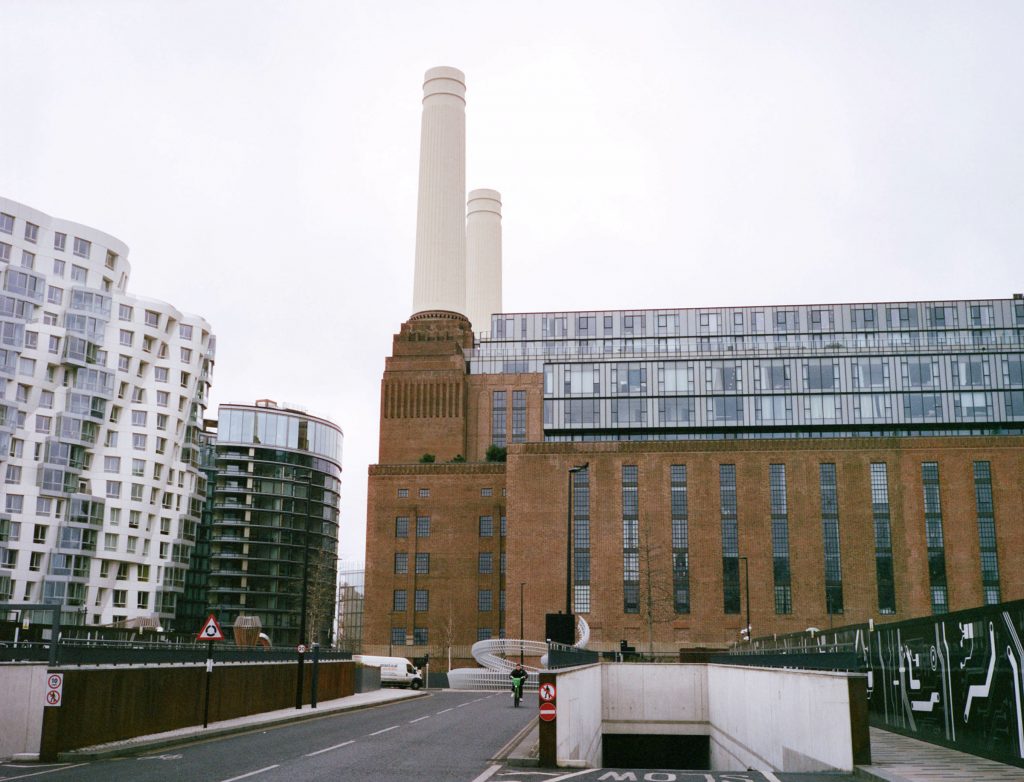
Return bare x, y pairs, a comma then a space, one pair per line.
424, 493
486, 492
59, 241
152, 318
79, 274
185, 331
31, 232
125, 311
422, 526
6, 223
403, 493
111, 259
82, 247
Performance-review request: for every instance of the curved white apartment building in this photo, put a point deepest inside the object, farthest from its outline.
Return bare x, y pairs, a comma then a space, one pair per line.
102, 397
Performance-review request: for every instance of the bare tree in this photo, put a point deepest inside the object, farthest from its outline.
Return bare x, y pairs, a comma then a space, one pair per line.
657, 602
320, 596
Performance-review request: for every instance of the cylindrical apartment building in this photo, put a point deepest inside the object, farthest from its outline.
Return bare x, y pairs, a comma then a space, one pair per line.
274, 540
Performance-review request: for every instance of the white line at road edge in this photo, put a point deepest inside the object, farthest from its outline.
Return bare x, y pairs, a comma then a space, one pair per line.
427, 717
252, 773
393, 727
328, 749
488, 774
47, 771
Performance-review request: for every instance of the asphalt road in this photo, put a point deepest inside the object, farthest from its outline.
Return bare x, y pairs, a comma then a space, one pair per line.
443, 736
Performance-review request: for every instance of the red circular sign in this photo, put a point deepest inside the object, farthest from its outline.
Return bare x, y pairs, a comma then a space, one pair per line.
547, 712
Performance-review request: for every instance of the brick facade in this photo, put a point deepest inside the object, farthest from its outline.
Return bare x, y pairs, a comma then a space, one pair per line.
430, 404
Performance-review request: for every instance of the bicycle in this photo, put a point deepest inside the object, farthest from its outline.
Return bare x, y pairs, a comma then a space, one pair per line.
517, 691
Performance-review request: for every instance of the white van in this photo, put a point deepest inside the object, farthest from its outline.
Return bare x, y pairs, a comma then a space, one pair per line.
394, 671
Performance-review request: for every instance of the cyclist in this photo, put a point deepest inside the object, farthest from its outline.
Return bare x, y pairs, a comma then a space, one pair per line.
518, 677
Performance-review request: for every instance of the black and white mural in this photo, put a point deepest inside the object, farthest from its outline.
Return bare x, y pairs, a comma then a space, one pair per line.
955, 679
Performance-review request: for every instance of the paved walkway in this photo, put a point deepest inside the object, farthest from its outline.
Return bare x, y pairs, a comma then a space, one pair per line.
171, 738
898, 758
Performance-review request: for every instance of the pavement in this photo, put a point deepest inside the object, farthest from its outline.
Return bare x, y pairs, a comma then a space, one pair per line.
894, 758
898, 758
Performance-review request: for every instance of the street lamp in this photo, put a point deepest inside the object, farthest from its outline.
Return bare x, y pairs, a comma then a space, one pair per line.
746, 584
305, 595
521, 585
568, 550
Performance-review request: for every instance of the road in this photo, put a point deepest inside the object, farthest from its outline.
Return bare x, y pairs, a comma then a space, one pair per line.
442, 736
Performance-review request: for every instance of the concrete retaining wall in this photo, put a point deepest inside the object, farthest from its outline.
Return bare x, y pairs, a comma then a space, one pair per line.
774, 719
21, 717
655, 699
769, 719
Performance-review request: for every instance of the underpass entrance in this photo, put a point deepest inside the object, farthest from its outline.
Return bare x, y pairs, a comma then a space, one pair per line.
631, 750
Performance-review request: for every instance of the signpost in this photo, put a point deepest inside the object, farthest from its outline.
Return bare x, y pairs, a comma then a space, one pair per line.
210, 632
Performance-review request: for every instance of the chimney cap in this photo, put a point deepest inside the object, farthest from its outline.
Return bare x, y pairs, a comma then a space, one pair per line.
444, 80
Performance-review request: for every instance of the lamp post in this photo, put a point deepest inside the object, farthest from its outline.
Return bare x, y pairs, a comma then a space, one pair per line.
521, 585
568, 549
305, 596
746, 585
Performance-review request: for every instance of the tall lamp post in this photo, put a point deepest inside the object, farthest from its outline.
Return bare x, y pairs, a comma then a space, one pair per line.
746, 585
568, 549
521, 585
305, 596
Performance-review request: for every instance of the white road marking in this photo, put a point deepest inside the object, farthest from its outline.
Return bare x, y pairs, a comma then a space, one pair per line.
420, 718
573, 774
47, 771
393, 727
446, 710
328, 749
487, 774
252, 773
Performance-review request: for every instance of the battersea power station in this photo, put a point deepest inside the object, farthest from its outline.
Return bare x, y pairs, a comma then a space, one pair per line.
672, 475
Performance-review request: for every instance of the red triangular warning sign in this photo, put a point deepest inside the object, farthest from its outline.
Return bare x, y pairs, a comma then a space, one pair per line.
211, 630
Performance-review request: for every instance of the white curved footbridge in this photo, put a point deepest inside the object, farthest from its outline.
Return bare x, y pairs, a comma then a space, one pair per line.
498, 656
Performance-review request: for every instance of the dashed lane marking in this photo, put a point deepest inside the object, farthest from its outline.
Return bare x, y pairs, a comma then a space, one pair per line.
446, 710
328, 749
393, 727
418, 719
252, 773
490, 772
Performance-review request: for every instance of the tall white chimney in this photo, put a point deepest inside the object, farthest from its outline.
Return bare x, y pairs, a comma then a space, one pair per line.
483, 257
440, 276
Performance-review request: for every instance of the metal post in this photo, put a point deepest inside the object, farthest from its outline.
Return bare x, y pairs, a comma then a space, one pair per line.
305, 591
521, 585
315, 677
746, 584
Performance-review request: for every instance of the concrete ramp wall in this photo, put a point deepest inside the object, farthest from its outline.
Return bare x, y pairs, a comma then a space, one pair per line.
775, 719
770, 719
21, 718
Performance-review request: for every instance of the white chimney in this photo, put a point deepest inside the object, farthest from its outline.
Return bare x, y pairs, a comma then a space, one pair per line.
440, 276
483, 257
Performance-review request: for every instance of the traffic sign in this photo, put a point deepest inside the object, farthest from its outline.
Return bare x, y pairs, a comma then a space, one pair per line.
301, 648
54, 689
547, 712
211, 630
547, 692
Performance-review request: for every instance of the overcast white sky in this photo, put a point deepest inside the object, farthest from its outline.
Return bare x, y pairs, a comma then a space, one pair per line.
260, 160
